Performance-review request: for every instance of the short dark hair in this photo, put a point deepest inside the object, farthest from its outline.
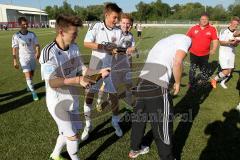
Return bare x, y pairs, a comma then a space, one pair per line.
22, 19
205, 14
66, 20
112, 7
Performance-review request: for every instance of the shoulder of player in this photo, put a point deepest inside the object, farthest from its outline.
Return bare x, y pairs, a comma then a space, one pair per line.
223, 30
30, 32
212, 27
130, 33
48, 51
96, 25
74, 46
16, 34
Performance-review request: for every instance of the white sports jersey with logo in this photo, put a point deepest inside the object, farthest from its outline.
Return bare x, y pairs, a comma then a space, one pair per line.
226, 53
56, 62
100, 33
226, 35
120, 64
25, 43
63, 102
159, 64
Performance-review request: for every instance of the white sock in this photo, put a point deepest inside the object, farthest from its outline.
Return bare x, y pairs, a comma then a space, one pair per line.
220, 76
87, 113
61, 142
226, 78
30, 84
72, 148
115, 119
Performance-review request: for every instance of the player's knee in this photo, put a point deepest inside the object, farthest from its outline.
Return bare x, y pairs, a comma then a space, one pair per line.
72, 145
73, 138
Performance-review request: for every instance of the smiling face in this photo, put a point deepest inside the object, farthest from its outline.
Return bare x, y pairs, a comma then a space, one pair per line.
111, 19
234, 25
125, 24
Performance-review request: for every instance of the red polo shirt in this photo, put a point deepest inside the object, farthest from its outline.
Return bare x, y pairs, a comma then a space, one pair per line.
201, 39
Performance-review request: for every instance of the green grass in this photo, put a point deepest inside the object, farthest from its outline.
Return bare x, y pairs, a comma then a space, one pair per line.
28, 132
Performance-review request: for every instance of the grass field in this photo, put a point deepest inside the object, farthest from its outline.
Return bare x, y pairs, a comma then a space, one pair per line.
27, 131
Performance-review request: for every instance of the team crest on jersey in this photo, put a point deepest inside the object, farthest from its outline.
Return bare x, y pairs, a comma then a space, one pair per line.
208, 33
113, 39
196, 31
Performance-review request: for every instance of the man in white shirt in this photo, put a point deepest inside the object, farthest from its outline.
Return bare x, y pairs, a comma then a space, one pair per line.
154, 101
26, 49
228, 42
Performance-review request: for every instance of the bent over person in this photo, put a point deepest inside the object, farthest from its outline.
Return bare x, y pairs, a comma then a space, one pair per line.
153, 100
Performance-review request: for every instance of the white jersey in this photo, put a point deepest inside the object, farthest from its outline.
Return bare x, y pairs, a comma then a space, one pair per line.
225, 35
120, 64
159, 64
99, 33
56, 62
25, 43
121, 61
127, 40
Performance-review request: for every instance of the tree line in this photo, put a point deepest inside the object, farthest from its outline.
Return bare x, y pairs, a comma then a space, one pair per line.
154, 11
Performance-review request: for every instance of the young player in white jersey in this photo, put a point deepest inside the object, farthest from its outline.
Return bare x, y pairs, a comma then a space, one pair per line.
97, 35
154, 103
228, 42
121, 63
26, 49
61, 68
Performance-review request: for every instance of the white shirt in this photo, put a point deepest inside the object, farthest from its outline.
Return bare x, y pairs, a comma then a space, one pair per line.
139, 27
99, 33
225, 35
159, 64
122, 61
56, 62
127, 40
26, 44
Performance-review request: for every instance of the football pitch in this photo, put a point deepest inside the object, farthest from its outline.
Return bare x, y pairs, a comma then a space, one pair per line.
206, 126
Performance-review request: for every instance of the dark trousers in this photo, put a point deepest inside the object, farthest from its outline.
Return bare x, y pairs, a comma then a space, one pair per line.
155, 107
200, 62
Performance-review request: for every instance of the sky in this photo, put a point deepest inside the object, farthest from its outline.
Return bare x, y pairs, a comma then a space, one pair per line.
126, 5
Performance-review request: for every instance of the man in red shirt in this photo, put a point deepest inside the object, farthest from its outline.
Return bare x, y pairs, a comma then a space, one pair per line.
202, 35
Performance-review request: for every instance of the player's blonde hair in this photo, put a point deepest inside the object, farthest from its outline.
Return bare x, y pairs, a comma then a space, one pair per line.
64, 21
127, 16
235, 18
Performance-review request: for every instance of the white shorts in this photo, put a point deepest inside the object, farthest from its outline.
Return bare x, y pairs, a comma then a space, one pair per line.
97, 63
27, 64
226, 60
121, 71
66, 118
